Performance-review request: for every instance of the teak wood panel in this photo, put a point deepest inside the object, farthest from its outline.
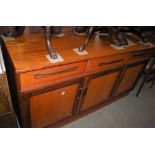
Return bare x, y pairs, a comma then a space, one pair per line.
53, 106
41, 77
130, 77
100, 88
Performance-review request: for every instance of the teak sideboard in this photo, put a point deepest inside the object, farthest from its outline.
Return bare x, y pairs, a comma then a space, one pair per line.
49, 94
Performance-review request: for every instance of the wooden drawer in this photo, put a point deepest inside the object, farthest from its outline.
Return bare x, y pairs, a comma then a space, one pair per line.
139, 56
104, 63
41, 77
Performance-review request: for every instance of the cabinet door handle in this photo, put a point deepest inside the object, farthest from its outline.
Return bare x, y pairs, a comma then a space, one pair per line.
110, 62
42, 75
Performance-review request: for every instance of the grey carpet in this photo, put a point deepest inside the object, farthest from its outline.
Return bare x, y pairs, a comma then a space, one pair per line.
128, 112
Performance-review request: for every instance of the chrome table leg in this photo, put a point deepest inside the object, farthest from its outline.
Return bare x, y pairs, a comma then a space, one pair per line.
53, 54
89, 35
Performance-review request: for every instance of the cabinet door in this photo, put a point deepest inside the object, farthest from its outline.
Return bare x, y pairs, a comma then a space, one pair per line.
99, 88
54, 105
130, 77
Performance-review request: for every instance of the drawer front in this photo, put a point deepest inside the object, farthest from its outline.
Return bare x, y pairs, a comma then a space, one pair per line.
44, 76
139, 56
100, 64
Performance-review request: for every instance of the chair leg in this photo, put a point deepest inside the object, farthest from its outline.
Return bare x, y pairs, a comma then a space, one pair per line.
153, 82
141, 86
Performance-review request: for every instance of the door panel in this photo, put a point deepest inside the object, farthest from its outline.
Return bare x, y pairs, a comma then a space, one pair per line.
99, 89
129, 79
52, 106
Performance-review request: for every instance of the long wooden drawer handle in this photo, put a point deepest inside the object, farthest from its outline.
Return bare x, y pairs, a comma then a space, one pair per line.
110, 62
139, 54
42, 75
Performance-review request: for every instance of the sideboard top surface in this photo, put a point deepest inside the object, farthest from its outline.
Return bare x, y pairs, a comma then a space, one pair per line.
28, 52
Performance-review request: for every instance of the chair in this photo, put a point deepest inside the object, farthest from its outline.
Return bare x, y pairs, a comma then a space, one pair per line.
149, 70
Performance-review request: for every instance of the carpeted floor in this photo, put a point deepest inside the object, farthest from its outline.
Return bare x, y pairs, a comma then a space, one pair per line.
128, 112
